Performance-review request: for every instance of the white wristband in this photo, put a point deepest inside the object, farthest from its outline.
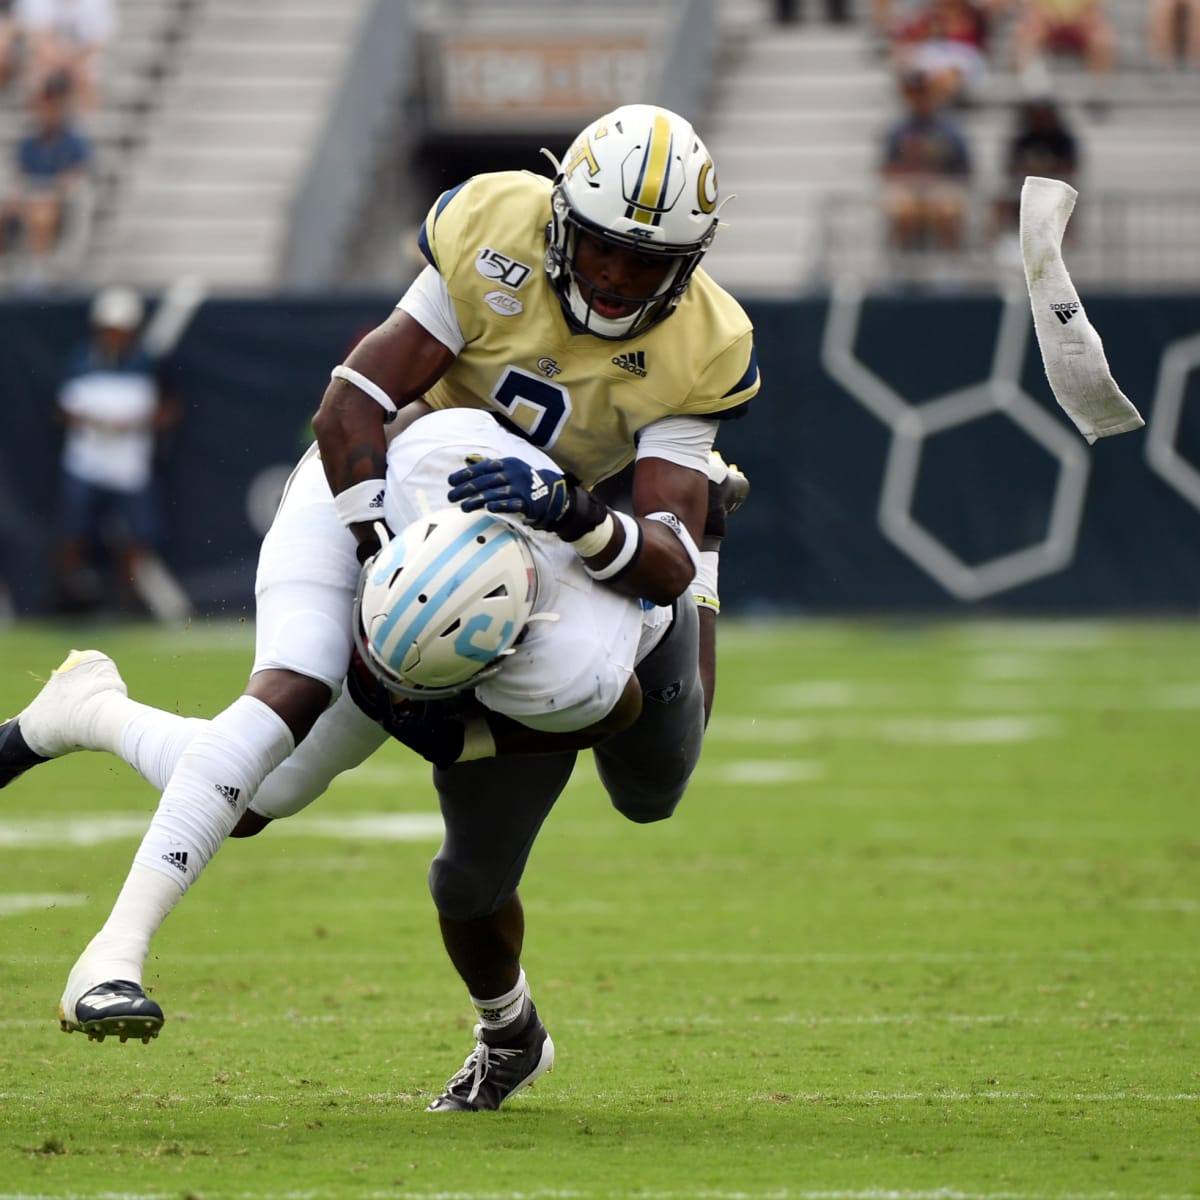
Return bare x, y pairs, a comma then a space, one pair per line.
360, 502
679, 529
626, 555
595, 540
360, 381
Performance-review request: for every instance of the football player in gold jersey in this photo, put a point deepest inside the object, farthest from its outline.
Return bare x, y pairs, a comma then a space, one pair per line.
574, 310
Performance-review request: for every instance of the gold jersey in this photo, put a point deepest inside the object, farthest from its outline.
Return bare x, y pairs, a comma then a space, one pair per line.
579, 397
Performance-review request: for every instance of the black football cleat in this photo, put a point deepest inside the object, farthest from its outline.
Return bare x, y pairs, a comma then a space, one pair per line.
15, 755
492, 1073
119, 1007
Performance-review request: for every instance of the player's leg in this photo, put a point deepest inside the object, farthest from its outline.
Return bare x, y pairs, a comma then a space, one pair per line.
342, 738
305, 591
493, 810
646, 769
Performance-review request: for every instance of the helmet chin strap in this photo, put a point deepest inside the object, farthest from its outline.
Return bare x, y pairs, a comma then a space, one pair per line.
612, 327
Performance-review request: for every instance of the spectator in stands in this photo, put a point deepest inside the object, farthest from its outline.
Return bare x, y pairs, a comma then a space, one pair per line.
1079, 28
9, 43
926, 170
53, 159
1174, 32
114, 411
1041, 144
788, 11
946, 39
68, 36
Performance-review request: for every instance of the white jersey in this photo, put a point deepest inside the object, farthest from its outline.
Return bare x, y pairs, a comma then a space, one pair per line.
566, 674
568, 671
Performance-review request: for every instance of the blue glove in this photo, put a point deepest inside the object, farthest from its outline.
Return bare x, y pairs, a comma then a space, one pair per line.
511, 485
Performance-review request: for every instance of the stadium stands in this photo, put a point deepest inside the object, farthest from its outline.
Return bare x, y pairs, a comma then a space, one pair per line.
214, 114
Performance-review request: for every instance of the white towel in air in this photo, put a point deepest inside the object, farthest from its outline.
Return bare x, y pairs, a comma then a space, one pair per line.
1071, 349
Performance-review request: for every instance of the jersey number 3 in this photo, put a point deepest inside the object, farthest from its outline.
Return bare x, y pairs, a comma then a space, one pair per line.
537, 407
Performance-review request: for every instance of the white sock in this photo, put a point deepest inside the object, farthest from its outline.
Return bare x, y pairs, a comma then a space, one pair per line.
209, 790
502, 1011
119, 950
153, 741
217, 775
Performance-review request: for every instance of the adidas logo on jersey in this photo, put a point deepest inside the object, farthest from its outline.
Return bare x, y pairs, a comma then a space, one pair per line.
177, 859
229, 792
377, 500
633, 362
1064, 312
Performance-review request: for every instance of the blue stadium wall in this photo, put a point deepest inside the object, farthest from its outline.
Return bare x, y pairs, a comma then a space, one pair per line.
906, 454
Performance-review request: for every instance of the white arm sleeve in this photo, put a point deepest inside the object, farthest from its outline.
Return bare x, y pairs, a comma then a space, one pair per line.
428, 302
1072, 352
684, 441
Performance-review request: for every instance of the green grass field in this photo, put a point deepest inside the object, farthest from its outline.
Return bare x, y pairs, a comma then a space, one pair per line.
926, 925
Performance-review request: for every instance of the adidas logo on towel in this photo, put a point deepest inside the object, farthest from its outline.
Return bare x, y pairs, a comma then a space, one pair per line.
1064, 312
229, 792
177, 858
377, 502
634, 363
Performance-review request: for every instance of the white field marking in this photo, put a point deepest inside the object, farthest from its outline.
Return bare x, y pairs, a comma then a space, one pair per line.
378, 827
385, 774
782, 731
1042, 636
1010, 665
20, 902
752, 771
93, 831
967, 731
1164, 904
925, 730
1177, 695
71, 830
822, 697
831, 693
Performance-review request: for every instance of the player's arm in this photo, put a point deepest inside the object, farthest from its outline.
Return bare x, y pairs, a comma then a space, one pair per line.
461, 729
393, 365
652, 555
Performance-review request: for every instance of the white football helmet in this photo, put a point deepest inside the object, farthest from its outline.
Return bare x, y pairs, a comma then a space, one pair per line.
443, 602
640, 178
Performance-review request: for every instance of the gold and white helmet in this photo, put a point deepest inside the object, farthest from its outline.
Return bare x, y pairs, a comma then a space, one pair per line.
639, 178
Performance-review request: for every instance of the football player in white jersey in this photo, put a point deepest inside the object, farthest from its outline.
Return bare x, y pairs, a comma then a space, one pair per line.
574, 309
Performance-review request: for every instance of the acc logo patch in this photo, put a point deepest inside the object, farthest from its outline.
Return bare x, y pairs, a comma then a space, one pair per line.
503, 303
499, 268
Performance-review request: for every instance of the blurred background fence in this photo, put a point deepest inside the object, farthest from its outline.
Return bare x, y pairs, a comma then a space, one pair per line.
905, 451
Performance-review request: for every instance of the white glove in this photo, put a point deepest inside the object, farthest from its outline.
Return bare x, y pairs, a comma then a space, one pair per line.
1071, 348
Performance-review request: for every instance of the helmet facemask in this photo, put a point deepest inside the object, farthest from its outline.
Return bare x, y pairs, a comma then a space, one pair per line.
575, 289
639, 180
